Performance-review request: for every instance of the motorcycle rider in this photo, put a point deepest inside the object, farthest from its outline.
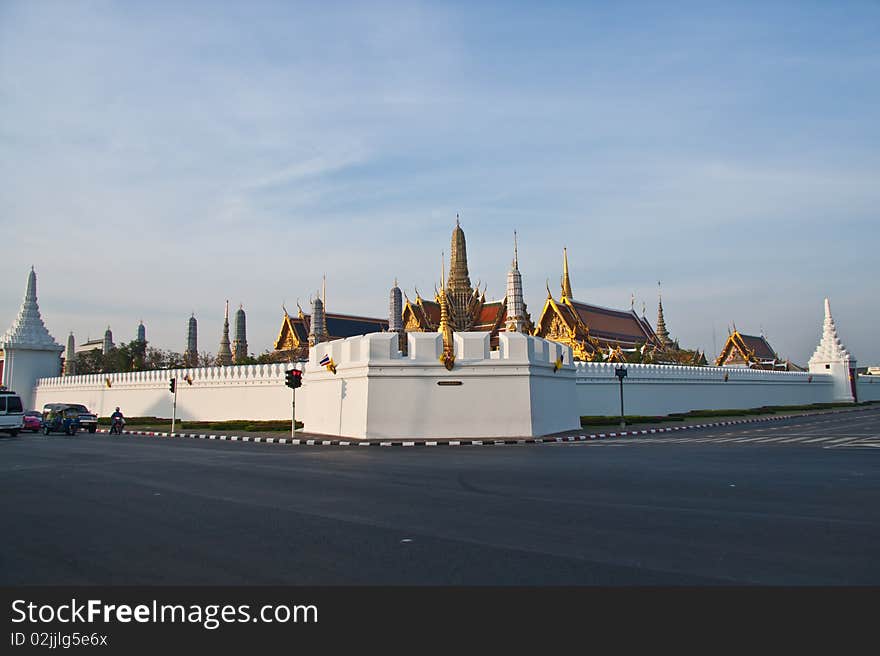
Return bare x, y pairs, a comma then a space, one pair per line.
117, 421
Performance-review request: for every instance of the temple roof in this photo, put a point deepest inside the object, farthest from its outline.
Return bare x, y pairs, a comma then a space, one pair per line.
28, 330
760, 346
491, 316
751, 350
620, 326
339, 326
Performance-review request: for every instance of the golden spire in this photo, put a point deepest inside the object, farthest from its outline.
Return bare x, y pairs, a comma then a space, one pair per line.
566, 281
448, 355
459, 280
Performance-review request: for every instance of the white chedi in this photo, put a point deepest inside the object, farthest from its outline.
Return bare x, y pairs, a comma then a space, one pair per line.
830, 348
28, 330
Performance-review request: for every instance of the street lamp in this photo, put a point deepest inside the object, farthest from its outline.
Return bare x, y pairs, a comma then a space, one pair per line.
620, 372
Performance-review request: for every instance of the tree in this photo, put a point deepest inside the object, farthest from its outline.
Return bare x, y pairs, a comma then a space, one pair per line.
90, 362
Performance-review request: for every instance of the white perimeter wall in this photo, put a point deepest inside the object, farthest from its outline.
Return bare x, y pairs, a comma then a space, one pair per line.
868, 388
662, 389
217, 393
379, 393
258, 392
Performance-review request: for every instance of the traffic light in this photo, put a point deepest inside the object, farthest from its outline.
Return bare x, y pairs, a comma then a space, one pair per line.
172, 384
293, 378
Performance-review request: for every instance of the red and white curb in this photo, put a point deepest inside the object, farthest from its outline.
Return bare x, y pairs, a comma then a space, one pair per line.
488, 442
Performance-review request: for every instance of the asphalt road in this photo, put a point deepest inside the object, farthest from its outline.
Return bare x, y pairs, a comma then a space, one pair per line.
790, 502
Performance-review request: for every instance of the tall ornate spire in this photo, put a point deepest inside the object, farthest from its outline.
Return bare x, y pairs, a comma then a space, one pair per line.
459, 281
516, 307
191, 355
830, 348
28, 330
662, 332
224, 354
240, 345
566, 281
395, 309
108, 341
463, 302
318, 322
70, 357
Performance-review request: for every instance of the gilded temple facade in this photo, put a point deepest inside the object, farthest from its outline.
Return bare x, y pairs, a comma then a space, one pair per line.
597, 333
299, 332
466, 308
752, 351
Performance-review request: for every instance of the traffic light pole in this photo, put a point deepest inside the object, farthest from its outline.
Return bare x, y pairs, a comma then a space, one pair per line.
620, 372
293, 379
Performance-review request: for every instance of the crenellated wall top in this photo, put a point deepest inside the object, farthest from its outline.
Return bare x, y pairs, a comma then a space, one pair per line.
606, 370
234, 374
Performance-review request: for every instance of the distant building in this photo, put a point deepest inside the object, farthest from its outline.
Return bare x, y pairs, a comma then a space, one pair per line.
141, 333
90, 345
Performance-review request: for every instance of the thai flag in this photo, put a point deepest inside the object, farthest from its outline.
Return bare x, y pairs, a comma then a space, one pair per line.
325, 361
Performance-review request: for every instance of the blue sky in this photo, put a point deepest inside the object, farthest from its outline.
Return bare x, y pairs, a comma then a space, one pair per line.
159, 158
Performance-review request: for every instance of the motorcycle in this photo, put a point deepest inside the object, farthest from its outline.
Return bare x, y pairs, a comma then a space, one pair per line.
116, 426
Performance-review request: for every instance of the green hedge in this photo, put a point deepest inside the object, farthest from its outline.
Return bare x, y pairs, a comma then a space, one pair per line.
598, 420
236, 424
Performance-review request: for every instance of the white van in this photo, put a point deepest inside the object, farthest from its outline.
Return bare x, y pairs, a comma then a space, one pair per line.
11, 412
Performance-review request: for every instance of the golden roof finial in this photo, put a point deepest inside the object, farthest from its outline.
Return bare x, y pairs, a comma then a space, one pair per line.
566, 281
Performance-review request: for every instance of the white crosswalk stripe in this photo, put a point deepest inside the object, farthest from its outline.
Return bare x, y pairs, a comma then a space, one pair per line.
805, 439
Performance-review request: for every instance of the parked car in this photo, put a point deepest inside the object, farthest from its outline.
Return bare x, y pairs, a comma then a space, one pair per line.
87, 420
60, 418
11, 412
32, 421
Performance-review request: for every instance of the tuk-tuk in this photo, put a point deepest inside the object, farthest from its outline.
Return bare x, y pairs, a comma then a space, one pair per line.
60, 418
